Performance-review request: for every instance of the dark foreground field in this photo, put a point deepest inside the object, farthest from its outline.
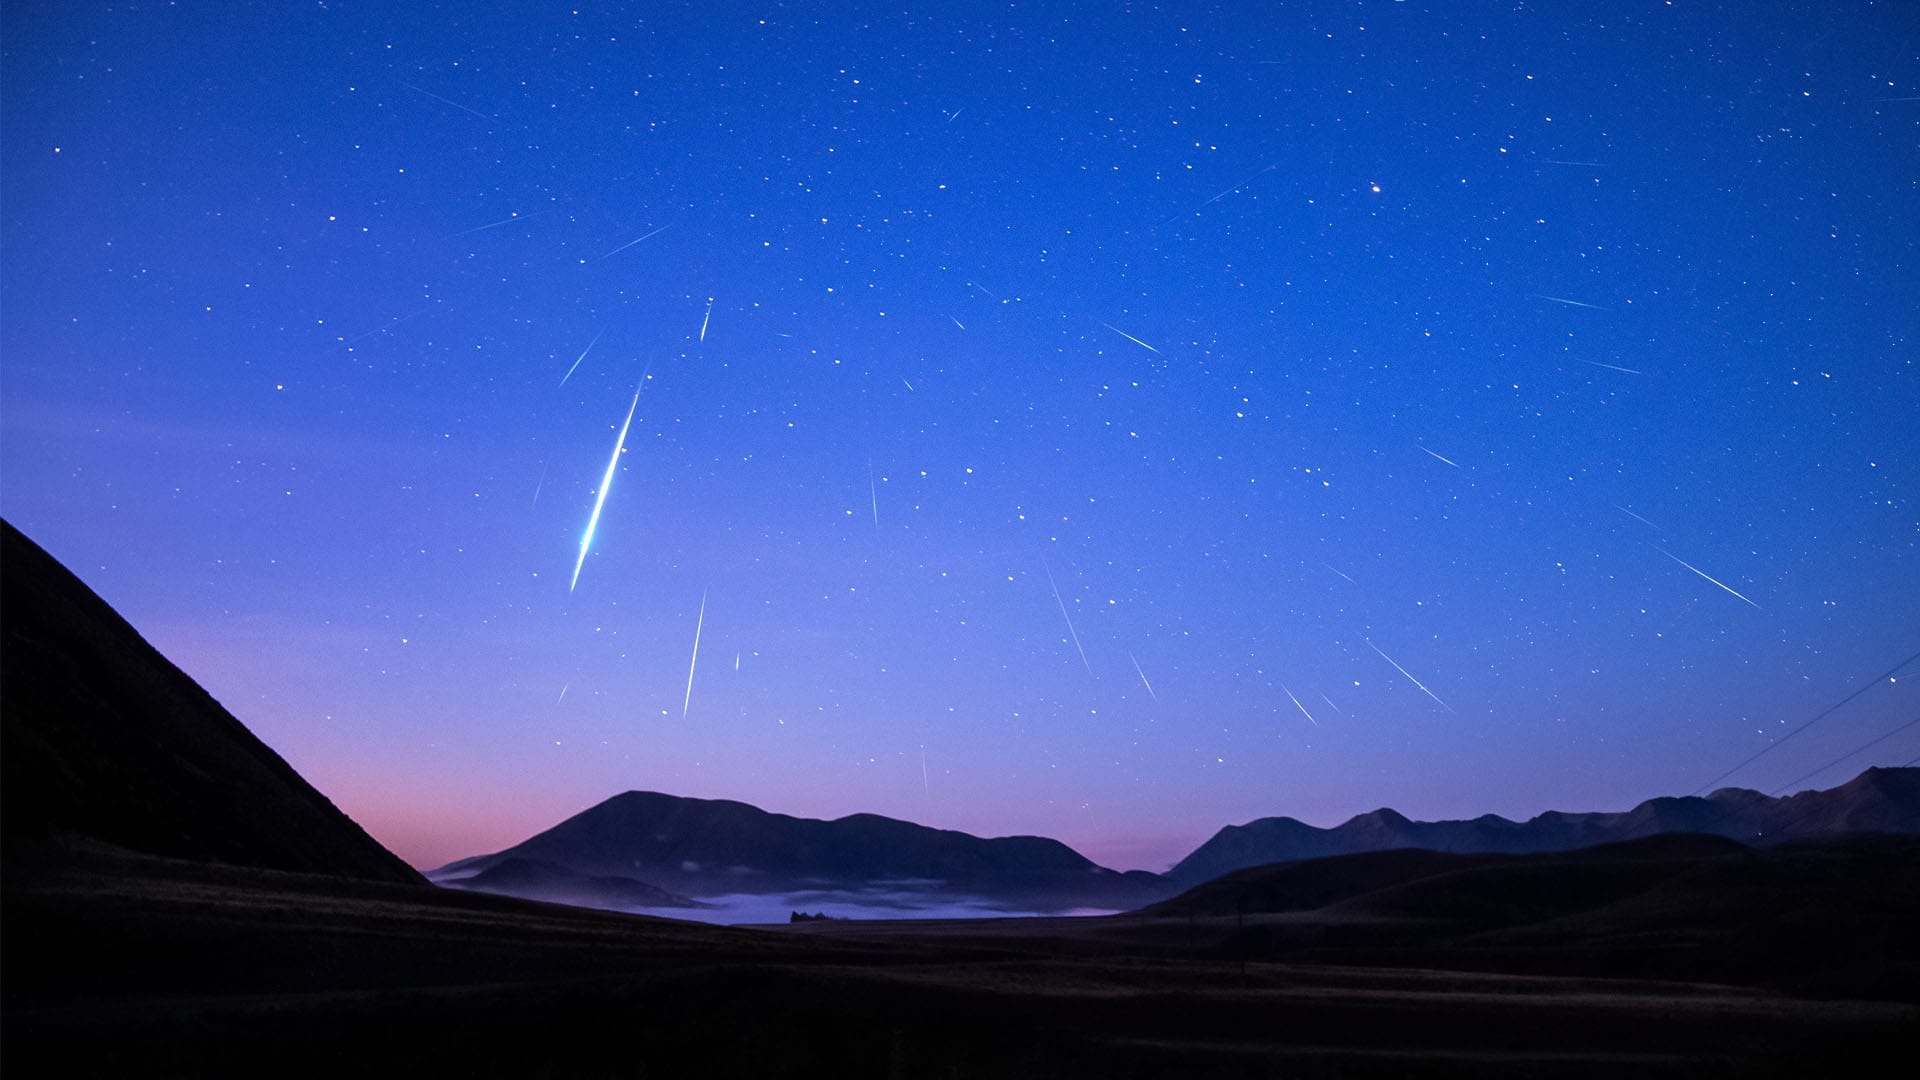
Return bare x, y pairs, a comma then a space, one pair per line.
144, 966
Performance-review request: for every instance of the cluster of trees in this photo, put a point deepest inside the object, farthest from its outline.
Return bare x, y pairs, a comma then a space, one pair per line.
801, 916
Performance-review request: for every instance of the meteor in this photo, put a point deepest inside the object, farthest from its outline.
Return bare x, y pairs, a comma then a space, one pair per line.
583, 356
634, 241
593, 522
873, 494
447, 101
1409, 675
517, 216
1613, 367
1069, 618
1297, 705
702, 621
1634, 516
1704, 574
1431, 454
1570, 303
1131, 338
707, 319
1143, 680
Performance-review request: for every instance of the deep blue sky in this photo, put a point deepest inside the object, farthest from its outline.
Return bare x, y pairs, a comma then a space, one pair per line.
1562, 360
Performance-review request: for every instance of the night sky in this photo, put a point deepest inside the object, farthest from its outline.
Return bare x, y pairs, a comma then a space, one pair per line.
1101, 421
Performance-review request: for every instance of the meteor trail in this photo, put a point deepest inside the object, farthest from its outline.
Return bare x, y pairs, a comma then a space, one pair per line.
1572, 303
634, 241
1224, 194
1409, 675
1329, 566
1330, 704
1613, 367
537, 484
583, 356
593, 522
700, 622
958, 323
873, 494
1704, 574
1069, 618
903, 379
496, 224
447, 101
1143, 680
1297, 705
709, 318
1131, 338
1634, 516
1431, 454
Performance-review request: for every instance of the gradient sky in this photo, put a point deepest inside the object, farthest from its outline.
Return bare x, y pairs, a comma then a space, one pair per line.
1085, 420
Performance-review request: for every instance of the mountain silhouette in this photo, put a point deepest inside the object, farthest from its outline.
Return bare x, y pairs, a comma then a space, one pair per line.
108, 745
716, 846
1878, 800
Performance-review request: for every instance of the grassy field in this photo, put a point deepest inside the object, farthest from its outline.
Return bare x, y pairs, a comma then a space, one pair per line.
165, 968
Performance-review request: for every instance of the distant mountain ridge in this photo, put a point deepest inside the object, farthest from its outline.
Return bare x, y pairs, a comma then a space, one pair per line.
706, 847
710, 847
1878, 800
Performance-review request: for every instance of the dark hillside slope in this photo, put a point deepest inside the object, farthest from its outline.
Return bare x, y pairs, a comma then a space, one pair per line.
1831, 916
107, 743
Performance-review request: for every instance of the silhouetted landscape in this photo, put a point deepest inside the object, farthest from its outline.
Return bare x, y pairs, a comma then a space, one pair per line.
177, 900
713, 847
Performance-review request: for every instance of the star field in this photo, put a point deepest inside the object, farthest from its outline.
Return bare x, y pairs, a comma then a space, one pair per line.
1102, 422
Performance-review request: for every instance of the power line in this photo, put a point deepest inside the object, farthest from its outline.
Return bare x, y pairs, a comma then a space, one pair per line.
1848, 754
1823, 714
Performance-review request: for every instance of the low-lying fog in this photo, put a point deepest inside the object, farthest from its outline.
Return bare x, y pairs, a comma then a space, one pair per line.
742, 908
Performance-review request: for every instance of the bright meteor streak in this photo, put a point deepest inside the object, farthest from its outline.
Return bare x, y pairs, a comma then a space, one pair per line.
707, 319
1703, 574
1409, 675
698, 623
1431, 454
593, 522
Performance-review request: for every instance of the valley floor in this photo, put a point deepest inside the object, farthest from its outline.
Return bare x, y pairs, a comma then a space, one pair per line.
151, 967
